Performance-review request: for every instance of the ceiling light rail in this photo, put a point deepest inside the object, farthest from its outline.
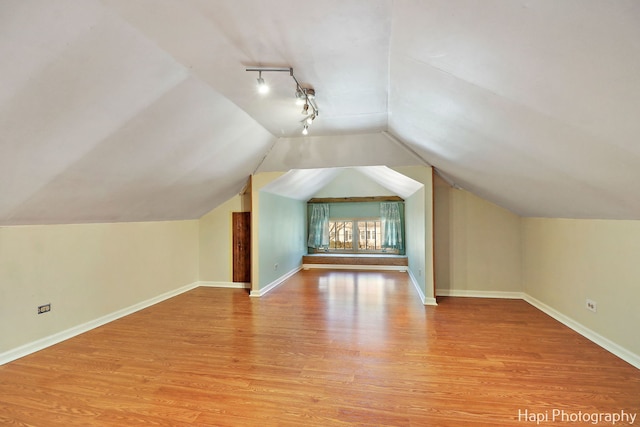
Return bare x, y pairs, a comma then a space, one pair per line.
305, 96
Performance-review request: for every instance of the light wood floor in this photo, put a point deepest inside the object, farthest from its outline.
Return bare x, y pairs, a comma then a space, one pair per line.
323, 349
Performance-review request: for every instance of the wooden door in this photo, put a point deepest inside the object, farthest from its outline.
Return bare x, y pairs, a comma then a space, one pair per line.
242, 247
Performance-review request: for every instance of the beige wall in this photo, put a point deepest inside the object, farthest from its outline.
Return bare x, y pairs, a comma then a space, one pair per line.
442, 233
483, 248
87, 271
92, 270
216, 232
567, 261
477, 243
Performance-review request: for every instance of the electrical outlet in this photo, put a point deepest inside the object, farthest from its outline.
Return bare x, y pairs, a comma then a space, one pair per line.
44, 308
591, 305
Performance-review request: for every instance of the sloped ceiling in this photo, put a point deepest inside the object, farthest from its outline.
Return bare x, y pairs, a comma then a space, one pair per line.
369, 149
136, 110
303, 184
531, 104
97, 123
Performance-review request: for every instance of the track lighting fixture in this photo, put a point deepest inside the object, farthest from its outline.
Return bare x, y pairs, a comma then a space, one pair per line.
305, 96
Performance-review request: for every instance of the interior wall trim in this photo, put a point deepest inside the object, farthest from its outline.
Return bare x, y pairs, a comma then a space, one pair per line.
271, 286
423, 297
355, 267
478, 294
42, 343
624, 354
232, 285
364, 199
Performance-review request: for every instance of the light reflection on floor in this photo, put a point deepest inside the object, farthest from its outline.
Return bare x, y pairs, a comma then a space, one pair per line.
358, 304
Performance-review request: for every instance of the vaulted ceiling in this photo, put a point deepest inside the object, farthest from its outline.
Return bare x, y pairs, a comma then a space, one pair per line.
135, 110
360, 181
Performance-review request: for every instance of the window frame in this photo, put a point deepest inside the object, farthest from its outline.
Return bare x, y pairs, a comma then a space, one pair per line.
355, 237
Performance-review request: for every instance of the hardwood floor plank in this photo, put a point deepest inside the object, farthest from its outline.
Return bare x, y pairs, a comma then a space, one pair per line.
324, 349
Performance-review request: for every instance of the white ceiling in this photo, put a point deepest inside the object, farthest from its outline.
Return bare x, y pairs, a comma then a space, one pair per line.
135, 110
303, 184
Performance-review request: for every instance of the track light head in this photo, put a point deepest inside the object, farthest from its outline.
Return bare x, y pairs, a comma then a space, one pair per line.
305, 109
262, 86
305, 130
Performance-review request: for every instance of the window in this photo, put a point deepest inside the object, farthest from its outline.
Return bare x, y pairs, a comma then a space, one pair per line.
362, 235
341, 235
370, 235
356, 227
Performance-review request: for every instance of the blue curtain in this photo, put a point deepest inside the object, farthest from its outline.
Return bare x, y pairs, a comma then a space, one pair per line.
391, 226
319, 226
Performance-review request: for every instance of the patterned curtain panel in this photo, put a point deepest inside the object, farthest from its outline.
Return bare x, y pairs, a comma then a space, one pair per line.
319, 226
391, 226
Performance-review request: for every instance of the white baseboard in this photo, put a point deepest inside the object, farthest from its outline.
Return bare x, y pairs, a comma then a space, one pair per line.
603, 342
478, 294
56, 338
45, 342
429, 301
232, 285
355, 267
423, 298
594, 337
271, 286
